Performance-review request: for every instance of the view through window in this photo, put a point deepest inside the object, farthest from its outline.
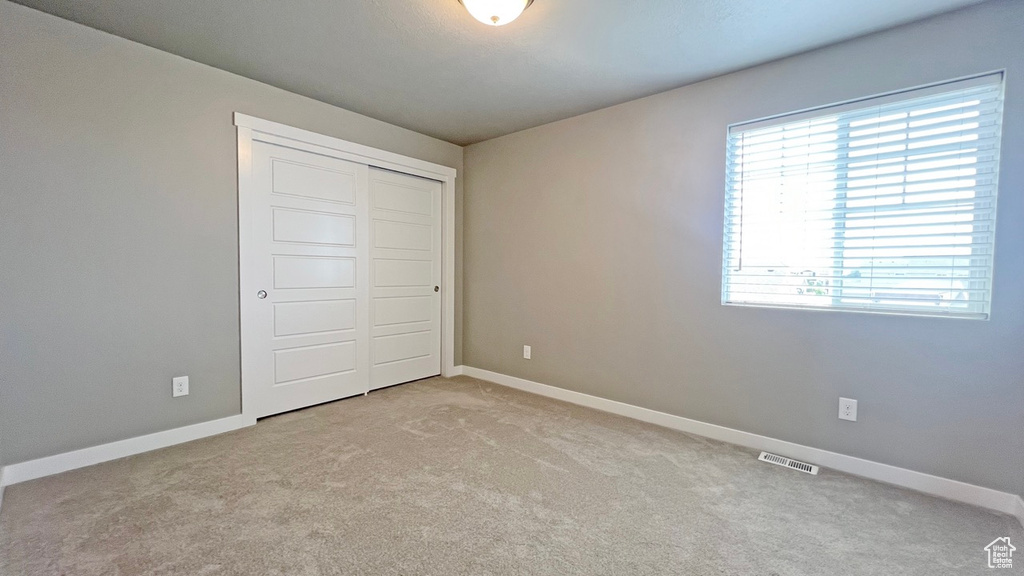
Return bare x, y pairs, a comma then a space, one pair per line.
886, 204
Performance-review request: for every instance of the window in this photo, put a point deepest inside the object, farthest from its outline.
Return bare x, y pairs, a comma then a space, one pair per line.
885, 204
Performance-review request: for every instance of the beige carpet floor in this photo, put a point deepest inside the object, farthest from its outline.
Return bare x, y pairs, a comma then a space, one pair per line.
451, 477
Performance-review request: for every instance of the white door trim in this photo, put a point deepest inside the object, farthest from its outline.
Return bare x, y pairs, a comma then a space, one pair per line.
251, 129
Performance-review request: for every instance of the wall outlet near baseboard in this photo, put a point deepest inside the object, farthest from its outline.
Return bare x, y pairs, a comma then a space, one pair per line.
527, 352
848, 409
179, 386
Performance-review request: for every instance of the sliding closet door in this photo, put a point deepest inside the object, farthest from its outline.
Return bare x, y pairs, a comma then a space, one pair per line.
305, 293
405, 254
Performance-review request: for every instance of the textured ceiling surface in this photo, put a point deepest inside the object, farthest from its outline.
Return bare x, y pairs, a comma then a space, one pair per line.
428, 66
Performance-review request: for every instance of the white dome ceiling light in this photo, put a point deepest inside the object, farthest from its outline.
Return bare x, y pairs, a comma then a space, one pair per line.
496, 12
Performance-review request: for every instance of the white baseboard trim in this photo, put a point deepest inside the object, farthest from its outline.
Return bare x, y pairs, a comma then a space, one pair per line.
937, 486
456, 371
15, 473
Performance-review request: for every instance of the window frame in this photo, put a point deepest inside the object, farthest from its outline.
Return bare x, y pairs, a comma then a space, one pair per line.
995, 78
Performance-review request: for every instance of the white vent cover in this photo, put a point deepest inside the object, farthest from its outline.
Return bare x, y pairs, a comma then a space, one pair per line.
788, 463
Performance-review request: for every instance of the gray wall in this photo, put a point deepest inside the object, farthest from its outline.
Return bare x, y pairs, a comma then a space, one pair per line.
598, 241
118, 235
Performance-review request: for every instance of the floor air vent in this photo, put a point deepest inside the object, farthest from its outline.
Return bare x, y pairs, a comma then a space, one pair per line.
783, 461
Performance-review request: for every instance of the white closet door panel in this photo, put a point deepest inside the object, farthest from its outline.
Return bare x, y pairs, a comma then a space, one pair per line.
343, 266
405, 269
309, 252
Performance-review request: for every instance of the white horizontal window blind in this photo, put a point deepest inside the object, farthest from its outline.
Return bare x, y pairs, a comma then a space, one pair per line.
884, 205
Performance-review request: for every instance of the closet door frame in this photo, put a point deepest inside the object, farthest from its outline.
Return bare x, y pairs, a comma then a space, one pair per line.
251, 129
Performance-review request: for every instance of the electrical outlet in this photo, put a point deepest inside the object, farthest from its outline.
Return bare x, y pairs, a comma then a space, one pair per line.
179, 386
526, 352
848, 409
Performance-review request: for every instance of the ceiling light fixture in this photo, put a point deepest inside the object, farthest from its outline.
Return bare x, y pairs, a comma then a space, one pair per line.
496, 12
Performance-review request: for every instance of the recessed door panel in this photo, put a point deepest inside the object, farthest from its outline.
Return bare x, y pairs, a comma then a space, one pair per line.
402, 236
295, 364
314, 227
298, 318
399, 197
301, 272
393, 273
408, 346
317, 177
402, 310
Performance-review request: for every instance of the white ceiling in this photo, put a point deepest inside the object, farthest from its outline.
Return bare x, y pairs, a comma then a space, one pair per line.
428, 66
